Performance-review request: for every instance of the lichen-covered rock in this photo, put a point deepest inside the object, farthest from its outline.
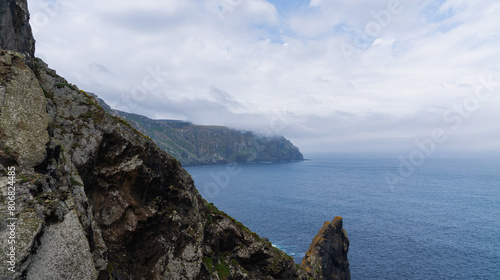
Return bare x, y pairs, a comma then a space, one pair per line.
23, 113
326, 258
64, 253
26, 228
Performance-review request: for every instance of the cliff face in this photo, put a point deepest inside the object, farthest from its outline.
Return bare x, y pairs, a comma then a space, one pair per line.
15, 33
205, 145
86, 196
100, 201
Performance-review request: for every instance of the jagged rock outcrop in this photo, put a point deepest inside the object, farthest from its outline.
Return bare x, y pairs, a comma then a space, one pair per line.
205, 145
15, 34
83, 195
326, 258
106, 203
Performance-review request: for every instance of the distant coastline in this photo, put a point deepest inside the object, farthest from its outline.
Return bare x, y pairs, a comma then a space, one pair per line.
195, 145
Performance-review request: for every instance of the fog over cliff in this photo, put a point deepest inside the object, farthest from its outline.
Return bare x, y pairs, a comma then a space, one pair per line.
335, 76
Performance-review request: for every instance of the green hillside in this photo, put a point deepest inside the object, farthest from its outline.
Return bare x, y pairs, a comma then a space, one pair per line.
205, 145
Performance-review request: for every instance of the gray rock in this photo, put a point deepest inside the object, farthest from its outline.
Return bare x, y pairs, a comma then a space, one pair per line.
23, 113
64, 253
27, 226
15, 31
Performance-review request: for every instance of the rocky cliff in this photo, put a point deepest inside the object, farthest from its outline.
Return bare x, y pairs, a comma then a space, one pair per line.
94, 199
15, 33
86, 196
205, 145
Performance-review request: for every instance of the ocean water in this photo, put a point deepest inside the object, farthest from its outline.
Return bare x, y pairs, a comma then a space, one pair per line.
441, 222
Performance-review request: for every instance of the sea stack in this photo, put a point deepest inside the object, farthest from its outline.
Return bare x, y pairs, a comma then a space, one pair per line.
326, 258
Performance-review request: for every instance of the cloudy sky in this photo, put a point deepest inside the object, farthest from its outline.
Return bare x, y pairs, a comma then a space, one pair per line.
330, 75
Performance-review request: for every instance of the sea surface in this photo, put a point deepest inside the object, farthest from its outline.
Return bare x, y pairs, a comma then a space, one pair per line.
440, 221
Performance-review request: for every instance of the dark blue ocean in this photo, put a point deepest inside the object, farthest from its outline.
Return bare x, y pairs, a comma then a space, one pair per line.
440, 221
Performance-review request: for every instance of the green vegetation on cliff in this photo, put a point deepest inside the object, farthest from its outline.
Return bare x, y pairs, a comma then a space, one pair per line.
204, 145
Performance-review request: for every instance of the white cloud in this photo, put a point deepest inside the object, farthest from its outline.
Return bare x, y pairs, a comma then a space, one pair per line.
315, 3
260, 11
383, 42
249, 65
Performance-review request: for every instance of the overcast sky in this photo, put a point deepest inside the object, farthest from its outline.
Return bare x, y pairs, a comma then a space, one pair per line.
330, 75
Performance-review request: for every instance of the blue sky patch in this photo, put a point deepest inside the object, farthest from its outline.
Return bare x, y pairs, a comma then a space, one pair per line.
432, 13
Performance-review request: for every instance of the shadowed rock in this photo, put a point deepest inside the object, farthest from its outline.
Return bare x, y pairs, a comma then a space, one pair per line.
15, 31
